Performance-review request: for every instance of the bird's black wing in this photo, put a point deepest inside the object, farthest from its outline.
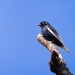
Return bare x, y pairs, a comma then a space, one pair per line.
54, 32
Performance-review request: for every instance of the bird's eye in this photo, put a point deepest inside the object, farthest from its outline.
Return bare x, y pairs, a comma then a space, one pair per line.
42, 23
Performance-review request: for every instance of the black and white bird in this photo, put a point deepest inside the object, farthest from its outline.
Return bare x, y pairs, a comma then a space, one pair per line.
50, 34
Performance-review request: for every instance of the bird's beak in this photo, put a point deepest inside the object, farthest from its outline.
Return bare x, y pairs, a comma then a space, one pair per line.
38, 24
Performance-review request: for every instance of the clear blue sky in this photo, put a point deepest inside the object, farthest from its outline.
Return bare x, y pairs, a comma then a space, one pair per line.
20, 52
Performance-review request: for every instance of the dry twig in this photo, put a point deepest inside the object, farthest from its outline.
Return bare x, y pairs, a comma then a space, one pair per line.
57, 63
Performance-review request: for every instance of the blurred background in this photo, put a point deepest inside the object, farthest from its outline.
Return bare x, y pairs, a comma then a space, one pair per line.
20, 52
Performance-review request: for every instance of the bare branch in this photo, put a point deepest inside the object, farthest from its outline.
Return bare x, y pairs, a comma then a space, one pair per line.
57, 63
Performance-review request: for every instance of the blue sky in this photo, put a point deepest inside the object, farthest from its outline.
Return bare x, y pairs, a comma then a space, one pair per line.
20, 52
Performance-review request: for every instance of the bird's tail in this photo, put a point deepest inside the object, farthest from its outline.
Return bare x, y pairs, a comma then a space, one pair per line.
65, 48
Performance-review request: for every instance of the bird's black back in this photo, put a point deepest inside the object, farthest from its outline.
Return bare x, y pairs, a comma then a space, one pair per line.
49, 36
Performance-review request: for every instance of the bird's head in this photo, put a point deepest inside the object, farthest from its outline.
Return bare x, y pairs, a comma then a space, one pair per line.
43, 23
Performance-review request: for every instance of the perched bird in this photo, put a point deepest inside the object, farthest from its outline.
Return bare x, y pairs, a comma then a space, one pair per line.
50, 34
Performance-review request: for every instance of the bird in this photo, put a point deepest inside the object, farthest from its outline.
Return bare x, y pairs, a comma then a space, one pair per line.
50, 34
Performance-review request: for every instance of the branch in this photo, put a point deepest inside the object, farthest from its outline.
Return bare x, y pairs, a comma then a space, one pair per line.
57, 63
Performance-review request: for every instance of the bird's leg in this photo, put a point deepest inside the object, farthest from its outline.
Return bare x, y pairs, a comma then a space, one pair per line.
52, 41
